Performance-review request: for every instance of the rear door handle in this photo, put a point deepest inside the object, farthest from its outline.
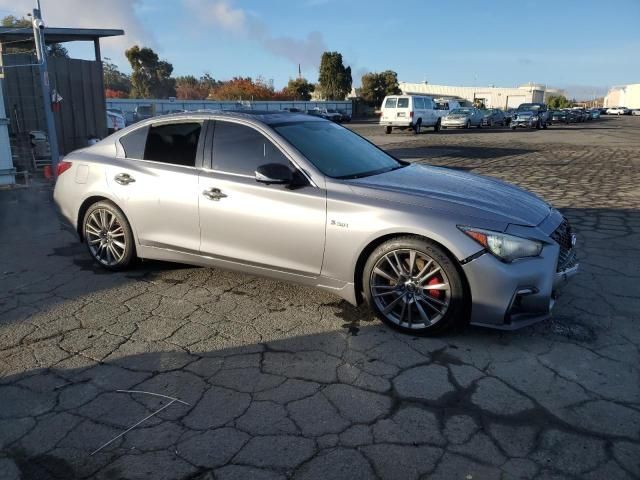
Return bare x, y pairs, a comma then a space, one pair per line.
124, 179
214, 194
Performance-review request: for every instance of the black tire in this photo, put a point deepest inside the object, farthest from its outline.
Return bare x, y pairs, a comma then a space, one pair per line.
418, 127
468, 125
456, 297
437, 126
388, 130
538, 125
545, 125
119, 233
513, 128
480, 124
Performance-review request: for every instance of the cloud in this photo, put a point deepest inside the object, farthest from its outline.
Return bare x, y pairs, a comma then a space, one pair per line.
221, 13
118, 14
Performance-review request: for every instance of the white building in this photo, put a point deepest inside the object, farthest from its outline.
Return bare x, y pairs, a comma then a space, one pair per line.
623, 96
492, 97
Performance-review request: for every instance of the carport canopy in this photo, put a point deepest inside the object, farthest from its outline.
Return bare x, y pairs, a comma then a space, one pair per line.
19, 37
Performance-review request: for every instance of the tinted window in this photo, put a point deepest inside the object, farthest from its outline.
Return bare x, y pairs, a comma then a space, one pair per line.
134, 142
335, 150
390, 103
174, 143
403, 102
241, 149
428, 104
418, 103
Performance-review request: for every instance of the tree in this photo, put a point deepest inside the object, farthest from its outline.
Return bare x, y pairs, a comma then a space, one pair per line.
53, 50
115, 80
190, 88
335, 80
240, 88
150, 76
299, 89
556, 102
376, 86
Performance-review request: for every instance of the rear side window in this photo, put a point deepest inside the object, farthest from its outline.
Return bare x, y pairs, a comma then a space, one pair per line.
428, 104
174, 143
240, 149
134, 142
390, 103
418, 103
403, 102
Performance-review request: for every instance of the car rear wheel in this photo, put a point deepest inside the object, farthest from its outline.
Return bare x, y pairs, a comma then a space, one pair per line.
417, 127
413, 286
437, 126
108, 236
387, 130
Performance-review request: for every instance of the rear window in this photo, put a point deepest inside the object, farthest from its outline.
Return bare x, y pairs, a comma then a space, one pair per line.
390, 103
403, 103
174, 143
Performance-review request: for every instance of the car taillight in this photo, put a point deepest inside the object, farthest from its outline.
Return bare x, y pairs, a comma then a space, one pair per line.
411, 114
62, 167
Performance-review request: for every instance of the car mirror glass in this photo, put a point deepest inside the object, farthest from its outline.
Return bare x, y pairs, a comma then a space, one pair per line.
275, 173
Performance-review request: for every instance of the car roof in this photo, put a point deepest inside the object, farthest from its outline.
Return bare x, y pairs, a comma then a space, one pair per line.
264, 116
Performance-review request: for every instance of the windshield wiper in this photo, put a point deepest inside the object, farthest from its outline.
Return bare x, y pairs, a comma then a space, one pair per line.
371, 173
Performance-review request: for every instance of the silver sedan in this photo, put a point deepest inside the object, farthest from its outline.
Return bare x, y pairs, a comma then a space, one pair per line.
466, 117
302, 199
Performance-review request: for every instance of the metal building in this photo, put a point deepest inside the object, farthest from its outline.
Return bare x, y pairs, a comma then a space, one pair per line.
492, 97
623, 96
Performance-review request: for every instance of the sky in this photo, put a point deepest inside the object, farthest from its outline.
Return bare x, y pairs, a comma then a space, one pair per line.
583, 46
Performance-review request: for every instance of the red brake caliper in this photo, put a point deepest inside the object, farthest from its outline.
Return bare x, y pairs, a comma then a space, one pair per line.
434, 281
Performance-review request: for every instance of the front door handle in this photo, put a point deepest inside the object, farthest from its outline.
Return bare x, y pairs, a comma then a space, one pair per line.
214, 194
124, 179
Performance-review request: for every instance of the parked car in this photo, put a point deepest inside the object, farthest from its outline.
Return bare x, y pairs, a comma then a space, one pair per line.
410, 112
494, 116
142, 112
346, 116
583, 114
115, 122
635, 111
299, 198
445, 105
324, 113
465, 117
559, 116
292, 110
574, 117
527, 112
595, 113
618, 111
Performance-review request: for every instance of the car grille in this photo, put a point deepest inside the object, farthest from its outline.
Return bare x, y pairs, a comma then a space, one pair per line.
562, 235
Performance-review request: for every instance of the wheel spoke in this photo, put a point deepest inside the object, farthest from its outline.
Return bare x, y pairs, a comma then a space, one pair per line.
92, 230
94, 241
412, 261
404, 308
398, 264
384, 274
428, 275
392, 304
423, 315
409, 314
436, 286
393, 267
385, 294
425, 268
112, 219
118, 244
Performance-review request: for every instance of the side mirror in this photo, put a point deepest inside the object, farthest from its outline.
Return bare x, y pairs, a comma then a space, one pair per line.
274, 173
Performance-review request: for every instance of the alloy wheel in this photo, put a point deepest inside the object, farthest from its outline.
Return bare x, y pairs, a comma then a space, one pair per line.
410, 289
106, 237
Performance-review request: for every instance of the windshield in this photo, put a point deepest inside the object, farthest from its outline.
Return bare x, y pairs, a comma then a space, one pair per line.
336, 151
529, 106
461, 111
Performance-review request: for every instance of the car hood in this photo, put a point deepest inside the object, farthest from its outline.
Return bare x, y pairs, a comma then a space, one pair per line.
461, 193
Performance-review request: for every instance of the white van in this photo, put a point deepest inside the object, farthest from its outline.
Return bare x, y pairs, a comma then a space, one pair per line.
409, 111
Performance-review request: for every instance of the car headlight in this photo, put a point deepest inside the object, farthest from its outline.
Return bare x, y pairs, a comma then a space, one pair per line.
506, 247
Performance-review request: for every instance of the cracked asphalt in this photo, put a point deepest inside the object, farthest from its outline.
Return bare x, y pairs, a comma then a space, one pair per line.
282, 381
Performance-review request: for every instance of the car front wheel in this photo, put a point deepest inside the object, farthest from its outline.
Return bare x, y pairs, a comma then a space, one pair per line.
108, 236
413, 286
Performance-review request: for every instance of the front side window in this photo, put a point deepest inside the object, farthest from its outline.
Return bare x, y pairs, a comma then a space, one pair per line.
240, 149
173, 143
335, 150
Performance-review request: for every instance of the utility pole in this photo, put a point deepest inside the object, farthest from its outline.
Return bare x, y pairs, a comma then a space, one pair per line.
41, 51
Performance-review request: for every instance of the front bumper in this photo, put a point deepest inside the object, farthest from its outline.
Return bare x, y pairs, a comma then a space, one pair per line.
523, 123
508, 296
454, 123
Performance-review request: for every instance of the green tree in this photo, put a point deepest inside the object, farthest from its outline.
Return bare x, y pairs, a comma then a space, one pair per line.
376, 86
335, 80
114, 79
556, 102
299, 89
150, 76
53, 49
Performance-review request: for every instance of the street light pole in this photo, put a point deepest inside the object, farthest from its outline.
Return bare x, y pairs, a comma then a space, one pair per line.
41, 51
